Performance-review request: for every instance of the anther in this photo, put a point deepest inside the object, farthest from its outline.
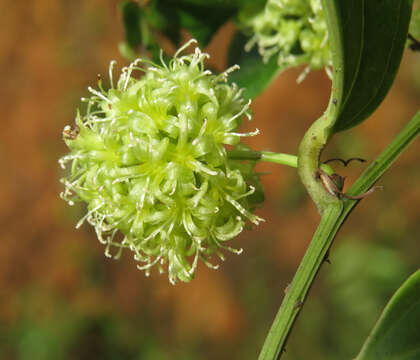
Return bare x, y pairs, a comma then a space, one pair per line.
70, 132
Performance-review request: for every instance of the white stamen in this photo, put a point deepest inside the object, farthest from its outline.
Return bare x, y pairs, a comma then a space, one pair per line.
111, 70
252, 133
303, 74
250, 192
127, 72
224, 75
162, 61
82, 220
209, 264
183, 47
240, 113
150, 264
203, 168
97, 93
253, 218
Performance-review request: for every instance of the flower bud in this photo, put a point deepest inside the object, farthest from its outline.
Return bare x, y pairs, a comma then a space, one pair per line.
149, 159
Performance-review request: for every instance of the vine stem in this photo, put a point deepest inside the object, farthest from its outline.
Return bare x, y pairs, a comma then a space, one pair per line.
297, 291
333, 216
268, 156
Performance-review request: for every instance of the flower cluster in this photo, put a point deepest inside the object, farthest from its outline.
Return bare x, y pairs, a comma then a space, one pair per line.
293, 30
415, 20
149, 159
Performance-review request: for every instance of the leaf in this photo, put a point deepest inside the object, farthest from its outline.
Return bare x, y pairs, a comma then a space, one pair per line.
396, 335
127, 51
131, 13
140, 23
137, 30
201, 18
253, 75
204, 21
163, 17
368, 38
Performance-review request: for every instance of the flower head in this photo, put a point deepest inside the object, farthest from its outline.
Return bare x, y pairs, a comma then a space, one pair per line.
149, 159
415, 20
293, 30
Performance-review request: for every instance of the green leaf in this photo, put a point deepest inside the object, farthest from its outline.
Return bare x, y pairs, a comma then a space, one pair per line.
396, 335
366, 55
131, 14
165, 18
201, 18
253, 74
127, 51
140, 24
204, 21
368, 39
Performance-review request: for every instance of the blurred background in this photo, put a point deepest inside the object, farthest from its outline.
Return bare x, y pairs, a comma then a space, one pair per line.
60, 298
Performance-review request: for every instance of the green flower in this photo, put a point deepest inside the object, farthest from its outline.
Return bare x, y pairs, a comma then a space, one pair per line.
415, 20
150, 161
293, 30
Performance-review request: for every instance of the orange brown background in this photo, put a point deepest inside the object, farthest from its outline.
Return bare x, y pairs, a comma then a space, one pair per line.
51, 273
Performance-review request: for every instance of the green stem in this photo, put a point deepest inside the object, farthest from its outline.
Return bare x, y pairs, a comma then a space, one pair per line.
279, 158
333, 216
290, 160
268, 156
310, 150
383, 161
297, 291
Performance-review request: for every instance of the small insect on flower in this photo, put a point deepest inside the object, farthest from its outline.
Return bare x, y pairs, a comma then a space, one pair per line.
149, 159
71, 132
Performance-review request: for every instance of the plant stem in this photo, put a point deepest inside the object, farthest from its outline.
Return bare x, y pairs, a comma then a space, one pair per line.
297, 291
279, 158
268, 156
332, 219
